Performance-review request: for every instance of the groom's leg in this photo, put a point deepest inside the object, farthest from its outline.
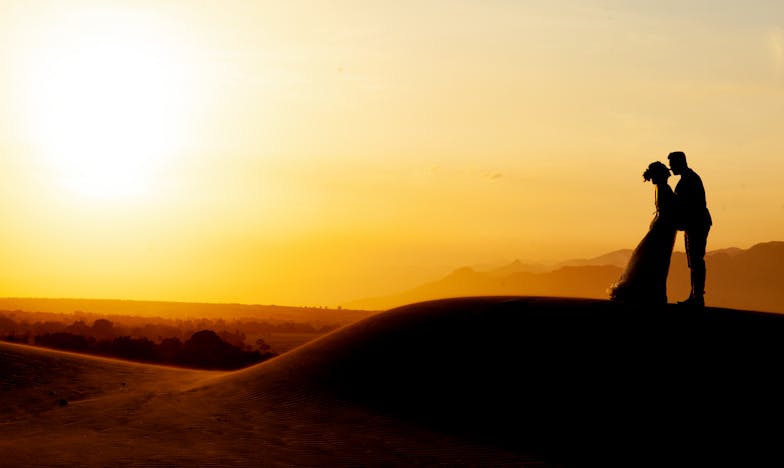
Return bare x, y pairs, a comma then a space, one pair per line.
696, 242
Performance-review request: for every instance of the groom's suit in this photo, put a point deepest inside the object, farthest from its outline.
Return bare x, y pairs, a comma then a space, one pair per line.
695, 220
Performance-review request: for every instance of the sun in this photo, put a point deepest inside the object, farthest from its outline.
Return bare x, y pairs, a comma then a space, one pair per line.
106, 102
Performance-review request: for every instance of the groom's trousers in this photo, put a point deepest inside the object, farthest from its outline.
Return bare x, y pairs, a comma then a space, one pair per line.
696, 242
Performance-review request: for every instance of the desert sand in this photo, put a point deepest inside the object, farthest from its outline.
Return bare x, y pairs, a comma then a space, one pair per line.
491, 381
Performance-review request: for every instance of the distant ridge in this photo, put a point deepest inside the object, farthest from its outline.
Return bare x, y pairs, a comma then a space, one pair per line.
737, 278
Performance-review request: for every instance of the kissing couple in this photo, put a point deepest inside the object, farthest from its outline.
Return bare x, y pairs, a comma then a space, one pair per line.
644, 281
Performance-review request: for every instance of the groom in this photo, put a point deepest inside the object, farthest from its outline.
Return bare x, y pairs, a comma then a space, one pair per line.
695, 220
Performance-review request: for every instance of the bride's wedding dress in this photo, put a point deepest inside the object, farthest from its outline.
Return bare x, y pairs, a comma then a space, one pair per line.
645, 278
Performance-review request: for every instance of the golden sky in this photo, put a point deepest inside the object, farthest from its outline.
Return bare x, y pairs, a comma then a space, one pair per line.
314, 152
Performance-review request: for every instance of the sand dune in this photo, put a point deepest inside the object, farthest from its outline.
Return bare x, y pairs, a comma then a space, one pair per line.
475, 381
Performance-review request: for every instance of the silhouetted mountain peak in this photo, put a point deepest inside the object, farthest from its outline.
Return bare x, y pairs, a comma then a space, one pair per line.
776, 247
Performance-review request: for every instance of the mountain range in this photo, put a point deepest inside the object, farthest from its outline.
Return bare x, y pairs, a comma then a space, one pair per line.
737, 278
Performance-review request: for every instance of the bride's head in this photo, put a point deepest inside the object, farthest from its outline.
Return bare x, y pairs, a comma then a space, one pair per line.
656, 172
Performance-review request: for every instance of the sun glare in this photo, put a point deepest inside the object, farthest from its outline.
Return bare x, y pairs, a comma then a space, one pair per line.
106, 102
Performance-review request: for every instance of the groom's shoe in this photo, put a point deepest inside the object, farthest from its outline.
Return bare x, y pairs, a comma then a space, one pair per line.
695, 302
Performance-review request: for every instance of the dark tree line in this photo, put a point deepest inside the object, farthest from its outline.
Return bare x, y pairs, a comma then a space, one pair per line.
235, 331
203, 349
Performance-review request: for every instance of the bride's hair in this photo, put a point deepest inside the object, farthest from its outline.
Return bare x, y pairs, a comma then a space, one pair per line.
655, 168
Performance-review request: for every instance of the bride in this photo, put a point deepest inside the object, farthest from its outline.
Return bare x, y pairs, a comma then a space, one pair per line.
645, 279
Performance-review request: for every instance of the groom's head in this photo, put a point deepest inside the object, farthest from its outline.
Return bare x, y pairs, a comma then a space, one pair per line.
677, 162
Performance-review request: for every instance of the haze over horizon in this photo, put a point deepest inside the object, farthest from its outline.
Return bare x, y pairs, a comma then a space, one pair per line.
307, 153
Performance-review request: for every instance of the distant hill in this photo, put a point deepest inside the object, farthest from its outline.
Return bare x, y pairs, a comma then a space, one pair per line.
588, 281
737, 278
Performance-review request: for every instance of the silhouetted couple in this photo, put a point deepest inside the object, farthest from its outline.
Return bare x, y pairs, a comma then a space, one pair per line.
645, 279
